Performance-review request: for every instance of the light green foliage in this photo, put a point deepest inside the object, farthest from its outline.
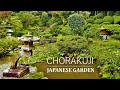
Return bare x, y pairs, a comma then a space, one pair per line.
90, 19
93, 31
36, 75
112, 27
7, 45
84, 14
99, 16
28, 19
98, 21
43, 52
65, 30
76, 23
116, 19
108, 19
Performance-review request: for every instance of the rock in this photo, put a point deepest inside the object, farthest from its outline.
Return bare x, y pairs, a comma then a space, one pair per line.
32, 69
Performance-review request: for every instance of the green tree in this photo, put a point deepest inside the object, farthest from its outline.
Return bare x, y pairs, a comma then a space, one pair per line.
76, 23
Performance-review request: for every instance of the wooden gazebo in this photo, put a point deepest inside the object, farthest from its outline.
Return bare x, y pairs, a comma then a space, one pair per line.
103, 32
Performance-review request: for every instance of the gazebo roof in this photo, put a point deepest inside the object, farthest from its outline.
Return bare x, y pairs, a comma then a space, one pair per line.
102, 28
6, 26
9, 30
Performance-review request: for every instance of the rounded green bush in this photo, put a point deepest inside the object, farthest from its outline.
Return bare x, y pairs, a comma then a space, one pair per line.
76, 23
90, 19
108, 19
98, 21
116, 19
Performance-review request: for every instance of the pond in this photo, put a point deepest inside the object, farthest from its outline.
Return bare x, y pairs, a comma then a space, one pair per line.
5, 62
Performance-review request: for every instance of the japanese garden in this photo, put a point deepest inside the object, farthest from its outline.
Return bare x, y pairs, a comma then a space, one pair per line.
28, 38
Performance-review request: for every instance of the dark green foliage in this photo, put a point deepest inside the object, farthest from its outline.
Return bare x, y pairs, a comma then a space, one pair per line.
66, 30
71, 44
90, 19
108, 19
44, 18
110, 13
58, 21
108, 55
76, 23
54, 29
112, 27
117, 13
87, 26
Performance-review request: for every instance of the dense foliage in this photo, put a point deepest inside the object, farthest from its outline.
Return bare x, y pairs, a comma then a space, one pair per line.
7, 45
76, 32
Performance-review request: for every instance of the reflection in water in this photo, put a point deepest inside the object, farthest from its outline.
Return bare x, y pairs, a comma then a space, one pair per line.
42, 66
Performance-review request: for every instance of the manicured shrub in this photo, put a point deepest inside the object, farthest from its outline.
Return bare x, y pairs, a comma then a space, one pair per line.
44, 18
92, 32
54, 29
66, 30
98, 21
7, 45
116, 19
71, 44
108, 19
86, 26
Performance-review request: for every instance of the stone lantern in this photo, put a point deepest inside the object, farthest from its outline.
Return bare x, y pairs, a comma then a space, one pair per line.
9, 31
8, 28
26, 50
103, 33
27, 47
